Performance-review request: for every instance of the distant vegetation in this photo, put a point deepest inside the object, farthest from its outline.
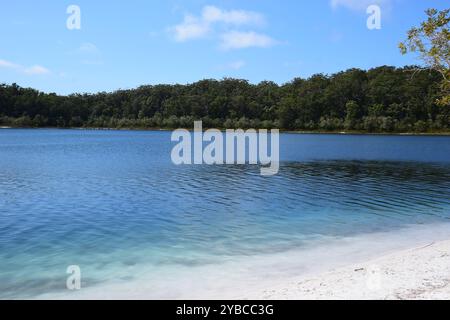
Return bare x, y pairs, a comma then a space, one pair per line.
384, 99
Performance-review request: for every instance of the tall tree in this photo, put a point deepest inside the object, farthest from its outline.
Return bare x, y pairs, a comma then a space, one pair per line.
432, 42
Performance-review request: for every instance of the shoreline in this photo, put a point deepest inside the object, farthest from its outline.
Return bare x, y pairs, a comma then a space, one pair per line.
345, 133
417, 273
410, 263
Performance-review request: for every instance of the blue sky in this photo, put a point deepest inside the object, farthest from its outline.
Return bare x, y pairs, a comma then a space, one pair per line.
124, 44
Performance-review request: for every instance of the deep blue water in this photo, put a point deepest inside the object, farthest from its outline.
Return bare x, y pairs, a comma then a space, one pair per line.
112, 200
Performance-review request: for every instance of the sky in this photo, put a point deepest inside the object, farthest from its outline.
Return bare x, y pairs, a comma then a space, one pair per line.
125, 44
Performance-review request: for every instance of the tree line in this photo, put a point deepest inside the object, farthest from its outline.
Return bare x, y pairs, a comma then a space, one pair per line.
382, 99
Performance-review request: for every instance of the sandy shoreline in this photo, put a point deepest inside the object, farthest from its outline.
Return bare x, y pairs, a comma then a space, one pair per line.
413, 263
418, 273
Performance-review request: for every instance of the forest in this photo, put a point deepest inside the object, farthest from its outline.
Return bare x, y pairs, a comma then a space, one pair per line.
383, 99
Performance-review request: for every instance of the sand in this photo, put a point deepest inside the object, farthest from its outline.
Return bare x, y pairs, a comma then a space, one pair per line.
410, 263
418, 273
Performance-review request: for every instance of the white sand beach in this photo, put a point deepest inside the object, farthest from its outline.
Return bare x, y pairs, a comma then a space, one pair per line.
418, 273
412, 263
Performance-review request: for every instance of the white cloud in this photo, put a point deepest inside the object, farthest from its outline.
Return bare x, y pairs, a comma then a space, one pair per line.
236, 65
190, 28
8, 64
33, 70
356, 5
214, 20
89, 54
36, 70
236, 17
240, 40
88, 47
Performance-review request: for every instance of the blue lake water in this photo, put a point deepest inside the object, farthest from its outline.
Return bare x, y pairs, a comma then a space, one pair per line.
113, 203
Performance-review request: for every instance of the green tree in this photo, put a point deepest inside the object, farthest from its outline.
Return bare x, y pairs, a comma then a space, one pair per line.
353, 113
381, 99
286, 113
432, 42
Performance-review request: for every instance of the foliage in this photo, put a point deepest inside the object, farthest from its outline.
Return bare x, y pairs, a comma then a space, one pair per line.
432, 42
383, 99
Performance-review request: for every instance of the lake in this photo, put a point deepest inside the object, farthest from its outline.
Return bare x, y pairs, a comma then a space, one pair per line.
113, 203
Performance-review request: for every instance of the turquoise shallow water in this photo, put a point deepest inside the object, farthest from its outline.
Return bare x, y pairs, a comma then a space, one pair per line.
114, 204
